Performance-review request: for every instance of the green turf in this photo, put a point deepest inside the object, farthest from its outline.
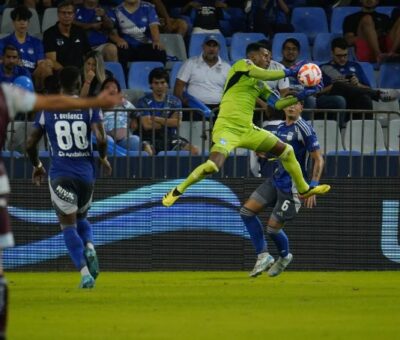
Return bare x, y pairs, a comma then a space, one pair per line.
206, 305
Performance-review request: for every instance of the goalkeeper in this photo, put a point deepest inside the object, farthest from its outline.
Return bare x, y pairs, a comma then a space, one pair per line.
234, 126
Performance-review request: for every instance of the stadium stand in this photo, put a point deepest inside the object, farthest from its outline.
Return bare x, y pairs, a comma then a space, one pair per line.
139, 72
7, 25
174, 45
394, 135
196, 41
240, 41
387, 78
385, 10
369, 72
118, 72
310, 20
322, 47
329, 136
338, 15
279, 39
50, 17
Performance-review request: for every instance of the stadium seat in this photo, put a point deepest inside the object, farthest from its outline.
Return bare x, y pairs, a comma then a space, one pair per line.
364, 136
240, 41
385, 10
338, 15
328, 134
322, 47
369, 72
279, 38
116, 69
174, 153
133, 95
174, 72
394, 135
236, 18
174, 45
139, 72
309, 20
196, 132
7, 25
389, 76
196, 42
50, 17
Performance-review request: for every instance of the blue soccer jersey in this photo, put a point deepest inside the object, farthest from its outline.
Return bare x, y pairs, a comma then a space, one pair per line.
88, 16
170, 102
69, 135
302, 137
135, 27
30, 52
17, 71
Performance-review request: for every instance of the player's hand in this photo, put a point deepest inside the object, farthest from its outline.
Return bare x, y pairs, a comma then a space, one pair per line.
106, 166
310, 202
107, 99
38, 174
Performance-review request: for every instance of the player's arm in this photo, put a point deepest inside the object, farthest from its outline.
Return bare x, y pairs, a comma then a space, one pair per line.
101, 142
60, 102
318, 165
31, 149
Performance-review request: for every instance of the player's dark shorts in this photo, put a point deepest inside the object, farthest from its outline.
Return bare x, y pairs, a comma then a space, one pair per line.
70, 195
174, 143
285, 205
6, 236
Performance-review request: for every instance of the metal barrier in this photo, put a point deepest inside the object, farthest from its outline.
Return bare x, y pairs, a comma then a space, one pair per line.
341, 160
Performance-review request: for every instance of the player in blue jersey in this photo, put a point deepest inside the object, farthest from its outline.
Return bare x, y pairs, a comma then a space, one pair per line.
72, 172
280, 193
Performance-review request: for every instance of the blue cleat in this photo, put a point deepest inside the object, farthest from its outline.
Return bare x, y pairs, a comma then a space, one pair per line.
87, 281
92, 262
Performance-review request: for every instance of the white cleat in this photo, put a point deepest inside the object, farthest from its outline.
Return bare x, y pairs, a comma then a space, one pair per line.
280, 265
264, 261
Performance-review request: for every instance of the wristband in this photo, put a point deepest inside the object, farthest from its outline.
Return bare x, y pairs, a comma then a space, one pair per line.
314, 183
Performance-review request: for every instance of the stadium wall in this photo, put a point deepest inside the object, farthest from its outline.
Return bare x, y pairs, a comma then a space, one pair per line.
355, 227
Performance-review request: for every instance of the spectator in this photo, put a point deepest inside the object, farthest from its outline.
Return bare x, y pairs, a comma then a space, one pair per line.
94, 20
116, 122
371, 33
271, 16
164, 123
207, 15
290, 55
30, 48
138, 36
203, 77
168, 24
64, 43
10, 69
346, 85
93, 74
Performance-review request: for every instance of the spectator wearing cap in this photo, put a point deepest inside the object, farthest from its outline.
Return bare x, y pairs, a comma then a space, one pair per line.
202, 79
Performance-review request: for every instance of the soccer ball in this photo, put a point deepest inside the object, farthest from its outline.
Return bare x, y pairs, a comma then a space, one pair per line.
309, 75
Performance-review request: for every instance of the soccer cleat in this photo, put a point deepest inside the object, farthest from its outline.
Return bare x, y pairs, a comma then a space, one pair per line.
317, 190
171, 197
264, 261
280, 265
92, 262
87, 281
388, 95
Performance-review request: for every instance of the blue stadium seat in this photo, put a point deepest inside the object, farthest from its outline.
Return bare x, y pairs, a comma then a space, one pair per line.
196, 42
240, 41
338, 15
139, 72
8, 154
279, 38
236, 18
322, 47
310, 20
385, 10
174, 72
369, 72
174, 153
116, 69
389, 76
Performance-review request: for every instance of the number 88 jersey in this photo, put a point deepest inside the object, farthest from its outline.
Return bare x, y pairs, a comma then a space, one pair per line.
69, 137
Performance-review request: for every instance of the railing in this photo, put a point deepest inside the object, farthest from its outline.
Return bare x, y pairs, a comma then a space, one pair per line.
350, 158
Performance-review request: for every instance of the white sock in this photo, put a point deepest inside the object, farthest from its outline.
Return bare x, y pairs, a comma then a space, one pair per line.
85, 271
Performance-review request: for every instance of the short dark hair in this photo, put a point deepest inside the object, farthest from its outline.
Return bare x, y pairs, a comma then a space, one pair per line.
293, 41
65, 3
21, 12
158, 73
110, 80
338, 43
10, 48
70, 78
254, 47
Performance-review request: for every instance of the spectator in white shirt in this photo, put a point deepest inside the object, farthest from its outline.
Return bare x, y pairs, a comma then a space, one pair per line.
200, 81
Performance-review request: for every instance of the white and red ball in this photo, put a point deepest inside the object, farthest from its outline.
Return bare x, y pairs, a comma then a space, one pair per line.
309, 75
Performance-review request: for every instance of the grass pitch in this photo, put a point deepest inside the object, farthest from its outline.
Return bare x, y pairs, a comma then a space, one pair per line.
206, 305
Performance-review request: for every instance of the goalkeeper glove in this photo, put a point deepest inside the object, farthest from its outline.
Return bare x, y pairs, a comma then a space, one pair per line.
293, 70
